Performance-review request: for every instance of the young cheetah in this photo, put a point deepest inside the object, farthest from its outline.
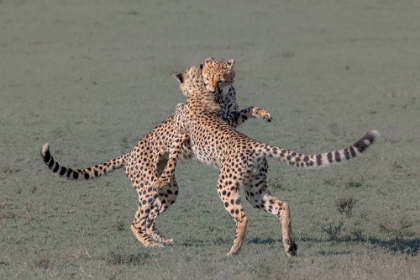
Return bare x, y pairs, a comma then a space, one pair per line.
241, 159
145, 163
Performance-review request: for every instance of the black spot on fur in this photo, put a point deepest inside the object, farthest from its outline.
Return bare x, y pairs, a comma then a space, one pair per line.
329, 156
63, 171
318, 159
361, 145
346, 153
369, 137
352, 152
337, 157
47, 156
51, 163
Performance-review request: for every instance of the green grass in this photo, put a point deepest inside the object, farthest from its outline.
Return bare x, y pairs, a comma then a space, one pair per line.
91, 80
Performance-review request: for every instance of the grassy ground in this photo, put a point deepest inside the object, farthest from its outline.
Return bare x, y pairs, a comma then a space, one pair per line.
92, 77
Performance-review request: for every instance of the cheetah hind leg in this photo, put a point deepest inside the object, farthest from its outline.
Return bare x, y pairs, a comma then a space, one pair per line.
160, 184
166, 197
151, 229
260, 198
141, 233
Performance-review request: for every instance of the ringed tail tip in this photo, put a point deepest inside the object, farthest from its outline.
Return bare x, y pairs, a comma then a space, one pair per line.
375, 133
372, 135
45, 149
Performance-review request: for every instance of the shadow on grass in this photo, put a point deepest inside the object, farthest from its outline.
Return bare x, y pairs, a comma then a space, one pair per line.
227, 241
257, 240
124, 258
396, 245
409, 246
331, 253
197, 243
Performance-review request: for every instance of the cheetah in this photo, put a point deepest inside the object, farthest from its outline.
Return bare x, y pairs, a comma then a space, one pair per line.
146, 162
242, 160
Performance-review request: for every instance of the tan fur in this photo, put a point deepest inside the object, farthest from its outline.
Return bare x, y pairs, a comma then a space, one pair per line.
146, 162
242, 160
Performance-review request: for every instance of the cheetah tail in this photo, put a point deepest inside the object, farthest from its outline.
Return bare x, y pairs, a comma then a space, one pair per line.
80, 174
324, 159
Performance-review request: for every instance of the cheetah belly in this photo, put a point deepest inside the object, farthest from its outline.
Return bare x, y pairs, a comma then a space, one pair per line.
208, 157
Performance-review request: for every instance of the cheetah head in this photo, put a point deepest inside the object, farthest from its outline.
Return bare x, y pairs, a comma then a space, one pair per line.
217, 74
190, 80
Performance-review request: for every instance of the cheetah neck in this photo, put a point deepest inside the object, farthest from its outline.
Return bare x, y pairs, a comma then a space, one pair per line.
204, 101
199, 97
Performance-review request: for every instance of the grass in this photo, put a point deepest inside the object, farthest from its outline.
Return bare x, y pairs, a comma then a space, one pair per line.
92, 81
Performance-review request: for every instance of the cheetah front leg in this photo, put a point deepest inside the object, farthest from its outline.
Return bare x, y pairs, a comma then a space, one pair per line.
235, 119
169, 171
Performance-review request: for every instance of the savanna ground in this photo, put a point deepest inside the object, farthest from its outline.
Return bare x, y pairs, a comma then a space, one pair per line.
92, 77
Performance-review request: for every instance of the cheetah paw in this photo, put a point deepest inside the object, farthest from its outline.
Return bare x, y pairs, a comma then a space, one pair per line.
168, 241
160, 183
267, 117
291, 250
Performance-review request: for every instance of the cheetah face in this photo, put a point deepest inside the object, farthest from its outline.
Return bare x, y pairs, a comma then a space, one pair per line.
217, 74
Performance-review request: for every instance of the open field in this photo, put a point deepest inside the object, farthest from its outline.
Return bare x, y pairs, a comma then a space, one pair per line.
92, 77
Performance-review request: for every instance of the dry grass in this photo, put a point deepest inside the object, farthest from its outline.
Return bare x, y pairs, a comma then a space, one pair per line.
91, 80
345, 205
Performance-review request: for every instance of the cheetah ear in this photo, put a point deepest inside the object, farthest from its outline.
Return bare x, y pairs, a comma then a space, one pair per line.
208, 59
231, 63
179, 77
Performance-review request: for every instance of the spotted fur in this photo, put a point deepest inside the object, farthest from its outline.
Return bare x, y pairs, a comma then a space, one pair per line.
218, 77
146, 162
242, 160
